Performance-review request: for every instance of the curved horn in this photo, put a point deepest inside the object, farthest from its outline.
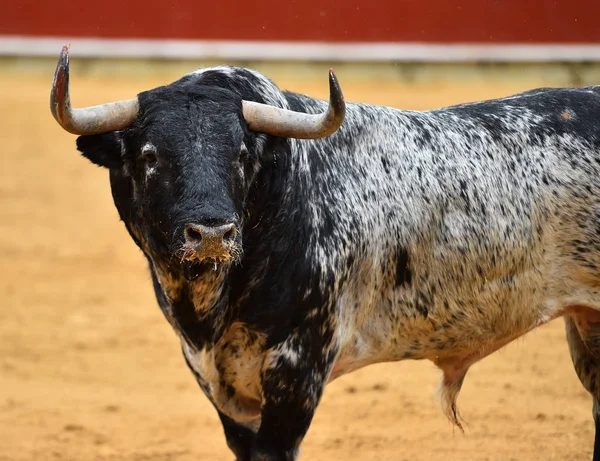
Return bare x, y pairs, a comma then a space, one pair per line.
112, 116
288, 124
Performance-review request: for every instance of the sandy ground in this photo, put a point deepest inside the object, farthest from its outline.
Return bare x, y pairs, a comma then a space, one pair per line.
90, 370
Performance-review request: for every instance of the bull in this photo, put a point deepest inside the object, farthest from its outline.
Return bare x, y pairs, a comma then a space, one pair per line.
291, 240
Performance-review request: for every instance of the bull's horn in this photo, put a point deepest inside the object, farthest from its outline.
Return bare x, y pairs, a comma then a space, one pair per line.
112, 116
263, 118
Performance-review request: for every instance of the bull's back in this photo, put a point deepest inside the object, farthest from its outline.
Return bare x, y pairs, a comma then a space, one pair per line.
486, 169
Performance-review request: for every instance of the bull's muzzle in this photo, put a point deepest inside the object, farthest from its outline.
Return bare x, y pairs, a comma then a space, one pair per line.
212, 243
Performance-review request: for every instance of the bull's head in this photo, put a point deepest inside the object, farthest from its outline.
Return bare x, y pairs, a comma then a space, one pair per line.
182, 159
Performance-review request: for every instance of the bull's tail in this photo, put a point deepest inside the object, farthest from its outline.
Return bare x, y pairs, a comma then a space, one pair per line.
448, 392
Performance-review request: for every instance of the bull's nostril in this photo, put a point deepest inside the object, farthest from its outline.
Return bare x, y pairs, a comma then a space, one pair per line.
192, 235
228, 236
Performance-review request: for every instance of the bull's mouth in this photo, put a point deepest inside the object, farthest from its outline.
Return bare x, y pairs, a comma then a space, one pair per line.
218, 256
192, 270
196, 260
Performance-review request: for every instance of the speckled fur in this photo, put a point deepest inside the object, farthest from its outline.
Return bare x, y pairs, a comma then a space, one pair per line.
439, 235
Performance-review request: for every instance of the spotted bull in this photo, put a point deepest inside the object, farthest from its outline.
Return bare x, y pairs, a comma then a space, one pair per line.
291, 240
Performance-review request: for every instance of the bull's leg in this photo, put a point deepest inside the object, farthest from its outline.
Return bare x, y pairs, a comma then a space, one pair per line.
293, 380
240, 438
583, 335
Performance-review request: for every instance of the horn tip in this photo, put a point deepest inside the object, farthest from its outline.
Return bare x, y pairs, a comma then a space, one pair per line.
59, 94
64, 55
61, 75
333, 81
335, 90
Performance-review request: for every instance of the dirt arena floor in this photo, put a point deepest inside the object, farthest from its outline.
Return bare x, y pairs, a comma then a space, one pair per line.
90, 370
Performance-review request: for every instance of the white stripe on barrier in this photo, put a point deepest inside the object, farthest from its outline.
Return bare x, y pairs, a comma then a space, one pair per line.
294, 51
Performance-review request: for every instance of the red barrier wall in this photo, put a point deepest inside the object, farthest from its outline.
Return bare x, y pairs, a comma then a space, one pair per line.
433, 21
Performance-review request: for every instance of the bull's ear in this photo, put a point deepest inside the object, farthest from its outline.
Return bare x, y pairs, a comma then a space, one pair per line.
102, 149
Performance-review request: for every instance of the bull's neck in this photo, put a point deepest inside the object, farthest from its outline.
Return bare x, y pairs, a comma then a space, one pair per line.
196, 309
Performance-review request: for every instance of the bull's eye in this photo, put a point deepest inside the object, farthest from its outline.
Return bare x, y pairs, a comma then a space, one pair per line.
149, 156
150, 159
243, 152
